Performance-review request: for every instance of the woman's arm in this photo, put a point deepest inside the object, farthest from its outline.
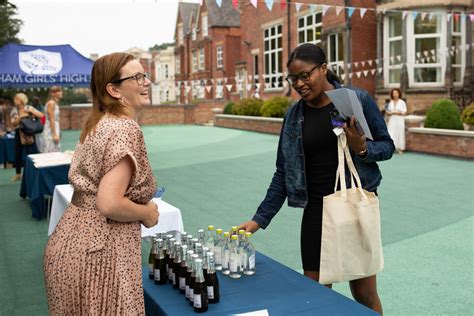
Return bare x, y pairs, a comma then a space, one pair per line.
113, 204
50, 113
31, 110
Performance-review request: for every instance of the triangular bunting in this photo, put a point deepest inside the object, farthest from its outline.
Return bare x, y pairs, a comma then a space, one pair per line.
269, 4
343, 77
326, 8
362, 63
338, 9
372, 71
276, 84
362, 12
283, 4
298, 6
399, 58
187, 89
257, 86
208, 89
380, 70
425, 52
219, 3
350, 75
365, 73
350, 11
414, 14
432, 15
249, 87
235, 3
229, 87
254, 2
356, 64
423, 15
448, 17
404, 14
268, 85
370, 62
313, 8
472, 17
358, 73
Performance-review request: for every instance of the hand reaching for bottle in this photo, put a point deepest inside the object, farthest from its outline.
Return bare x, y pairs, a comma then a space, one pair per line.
152, 215
250, 226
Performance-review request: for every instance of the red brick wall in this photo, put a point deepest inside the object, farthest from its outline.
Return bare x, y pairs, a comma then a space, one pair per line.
248, 123
456, 146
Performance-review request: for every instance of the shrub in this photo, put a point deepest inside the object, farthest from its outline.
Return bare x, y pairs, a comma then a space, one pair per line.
249, 107
275, 107
228, 108
443, 114
467, 115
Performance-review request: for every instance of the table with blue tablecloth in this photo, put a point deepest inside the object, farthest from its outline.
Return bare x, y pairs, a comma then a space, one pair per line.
38, 182
275, 288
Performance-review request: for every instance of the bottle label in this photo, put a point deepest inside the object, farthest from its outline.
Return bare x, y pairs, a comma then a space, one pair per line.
182, 283
197, 301
218, 255
210, 292
225, 259
187, 291
157, 275
244, 257
150, 268
252, 262
191, 294
233, 262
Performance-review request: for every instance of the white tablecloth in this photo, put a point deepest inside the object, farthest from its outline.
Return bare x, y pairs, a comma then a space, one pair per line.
170, 216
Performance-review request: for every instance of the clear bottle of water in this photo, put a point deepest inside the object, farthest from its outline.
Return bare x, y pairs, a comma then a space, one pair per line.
249, 250
218, 250
225, 254
210, 238
242, 244
235, 259
201, 236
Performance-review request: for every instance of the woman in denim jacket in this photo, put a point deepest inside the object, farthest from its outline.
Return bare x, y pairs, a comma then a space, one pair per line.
307, 159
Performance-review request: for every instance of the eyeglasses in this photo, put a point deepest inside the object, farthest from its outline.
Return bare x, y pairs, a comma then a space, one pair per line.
305, 76
139, 78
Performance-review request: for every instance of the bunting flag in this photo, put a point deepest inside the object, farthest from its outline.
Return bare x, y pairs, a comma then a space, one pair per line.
356, 64
338, 10
448, 17
362, 12
365, 73
350, 11
414, 14
363, 63
423, 15
431, 15
229, 87
313, 8
249, 87
325, 9
472, 17
358, 74
298, 6
350, 75
257, 86
267, 85
254, 2
372, 71
380, 70
283, 4
370, 62
269, 4
404, 14
235, 3
208, 89
343, 76
187, 89
219, 3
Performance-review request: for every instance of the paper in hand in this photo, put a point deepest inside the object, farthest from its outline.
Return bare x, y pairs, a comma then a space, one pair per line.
347, 104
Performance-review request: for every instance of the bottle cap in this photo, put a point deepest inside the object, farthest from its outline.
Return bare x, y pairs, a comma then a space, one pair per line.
210, 227
248, 234
219, 230
234, 237
226, 234
234, 228
241, 231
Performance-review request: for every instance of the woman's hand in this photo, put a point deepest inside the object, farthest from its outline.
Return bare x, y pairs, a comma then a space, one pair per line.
56, 139
152, 215
250, 226
356, 141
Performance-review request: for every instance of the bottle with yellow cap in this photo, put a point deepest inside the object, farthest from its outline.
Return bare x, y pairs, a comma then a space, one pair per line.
211, 238
218, 250
225, 254
249, 255
235, 259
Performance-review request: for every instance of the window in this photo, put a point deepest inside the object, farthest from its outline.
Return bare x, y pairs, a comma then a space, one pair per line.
204, 26
310, 28
219, 89
180, 34
336, 53
220, 56
201, 59
167, 97
166, 71
201, 89
178, 64
255, 68
393, 52
273, 54
195, 61
457, 50
193, 34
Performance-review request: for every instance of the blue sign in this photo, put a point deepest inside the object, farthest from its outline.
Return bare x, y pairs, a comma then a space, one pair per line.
24, 66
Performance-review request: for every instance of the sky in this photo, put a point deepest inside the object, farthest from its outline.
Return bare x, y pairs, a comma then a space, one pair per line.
98, 26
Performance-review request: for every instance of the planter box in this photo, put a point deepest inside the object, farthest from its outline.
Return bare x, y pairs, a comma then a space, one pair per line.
441, 142
269, 125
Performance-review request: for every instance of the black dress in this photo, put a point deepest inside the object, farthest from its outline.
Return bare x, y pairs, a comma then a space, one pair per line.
320, 153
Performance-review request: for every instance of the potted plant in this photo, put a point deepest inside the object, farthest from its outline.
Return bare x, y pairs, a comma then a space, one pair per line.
467, 117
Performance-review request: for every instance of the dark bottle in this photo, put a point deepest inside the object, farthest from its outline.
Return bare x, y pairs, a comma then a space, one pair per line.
189, 270
212, 282
151, 259
205, 260
192, 279
170, 261
183, 270
159, 270
176, 264
200, 301
166, 243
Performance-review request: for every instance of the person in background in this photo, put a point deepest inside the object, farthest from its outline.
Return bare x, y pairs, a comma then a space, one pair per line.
24, 145
307, 159
36, 103
396, 111
92, 262
51, 132
3, 117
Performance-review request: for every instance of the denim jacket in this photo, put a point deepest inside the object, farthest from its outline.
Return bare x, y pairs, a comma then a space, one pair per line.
289, 179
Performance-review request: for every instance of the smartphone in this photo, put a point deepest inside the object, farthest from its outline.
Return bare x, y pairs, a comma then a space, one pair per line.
337, 120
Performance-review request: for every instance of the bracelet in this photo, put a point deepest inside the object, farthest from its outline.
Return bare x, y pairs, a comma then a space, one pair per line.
363, 152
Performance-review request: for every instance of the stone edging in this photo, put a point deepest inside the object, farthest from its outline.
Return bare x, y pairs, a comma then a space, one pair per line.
440, 131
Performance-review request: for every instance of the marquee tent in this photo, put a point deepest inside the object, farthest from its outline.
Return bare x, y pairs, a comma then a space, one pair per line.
26, 66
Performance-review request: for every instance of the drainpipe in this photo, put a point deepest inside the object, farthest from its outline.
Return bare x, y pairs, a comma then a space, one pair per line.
288, 14
347, 3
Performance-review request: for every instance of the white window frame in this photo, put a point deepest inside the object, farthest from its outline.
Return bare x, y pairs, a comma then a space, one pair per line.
219, 91
204, 25
339, 63
387, 41
201, 59
306, 27
411, 53
167, 74
194, 62
220, 56
178, 64
180, 34
193, 34
462, 49
272, 74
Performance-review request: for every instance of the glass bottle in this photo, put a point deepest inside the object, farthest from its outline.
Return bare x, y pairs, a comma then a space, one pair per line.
211, 237
198, 249
201, 236
225, 254
170, 261
249, 267
159, 271
212, 282
151, 258
234, 259
194, 241
200, 300
190, 241
189, 270
218, 250
242, 244
176, 265
192, 279
234, 231
184, 237
183, 269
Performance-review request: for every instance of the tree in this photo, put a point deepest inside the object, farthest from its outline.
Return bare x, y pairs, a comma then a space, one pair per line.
9, 25
161, 46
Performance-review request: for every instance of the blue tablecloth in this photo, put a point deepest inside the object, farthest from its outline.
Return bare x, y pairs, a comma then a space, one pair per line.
274, 287
7, 149
37, 182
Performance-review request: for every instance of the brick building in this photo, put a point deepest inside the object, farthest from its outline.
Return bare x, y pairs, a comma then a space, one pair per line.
163, 88
425, 48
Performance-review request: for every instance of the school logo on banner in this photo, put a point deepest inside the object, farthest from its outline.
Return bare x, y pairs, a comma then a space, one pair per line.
40, 62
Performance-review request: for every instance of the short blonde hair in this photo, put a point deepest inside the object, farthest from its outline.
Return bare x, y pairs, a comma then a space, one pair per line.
23, 98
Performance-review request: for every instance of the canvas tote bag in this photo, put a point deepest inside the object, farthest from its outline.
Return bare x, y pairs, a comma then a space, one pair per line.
351, 246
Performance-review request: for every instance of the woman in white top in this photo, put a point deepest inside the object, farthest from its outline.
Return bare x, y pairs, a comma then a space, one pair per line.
51, 132
396, 111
